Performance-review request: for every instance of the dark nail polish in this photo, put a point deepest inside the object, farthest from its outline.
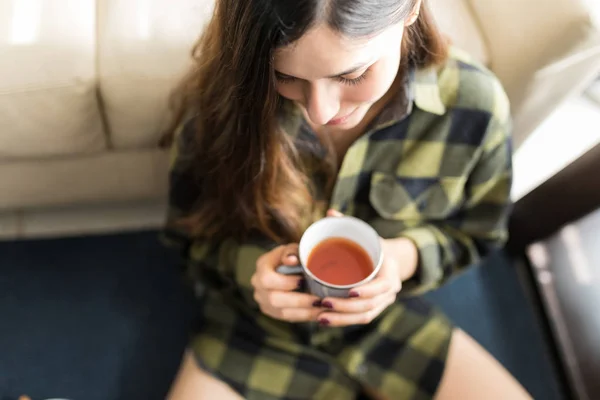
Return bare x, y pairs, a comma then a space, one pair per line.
324, 322
327, 304
353, 294
317, 303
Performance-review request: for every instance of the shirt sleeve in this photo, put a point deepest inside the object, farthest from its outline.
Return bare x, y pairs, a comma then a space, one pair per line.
447, 247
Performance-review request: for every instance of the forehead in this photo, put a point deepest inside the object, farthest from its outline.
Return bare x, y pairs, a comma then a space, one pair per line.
323, 52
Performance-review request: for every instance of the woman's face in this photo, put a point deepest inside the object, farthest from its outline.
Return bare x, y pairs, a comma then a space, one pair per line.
335, 80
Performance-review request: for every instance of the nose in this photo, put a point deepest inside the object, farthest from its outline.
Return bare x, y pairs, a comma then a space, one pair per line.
322, 103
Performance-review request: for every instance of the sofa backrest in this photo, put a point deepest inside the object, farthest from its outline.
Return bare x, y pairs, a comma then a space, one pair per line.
85, 76
48, 103
455, 19
143, 48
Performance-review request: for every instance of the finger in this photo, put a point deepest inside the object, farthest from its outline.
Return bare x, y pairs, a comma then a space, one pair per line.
281, 299
268, 280
334, 213
339, 319
354, 306
290, 251
376, 287
298, 314
273, 258
289, 256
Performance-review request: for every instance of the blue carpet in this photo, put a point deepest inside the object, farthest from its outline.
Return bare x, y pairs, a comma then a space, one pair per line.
490, 304
105, 318
95, 318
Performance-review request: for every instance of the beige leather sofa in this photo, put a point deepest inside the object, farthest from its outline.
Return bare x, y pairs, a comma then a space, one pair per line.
84, 87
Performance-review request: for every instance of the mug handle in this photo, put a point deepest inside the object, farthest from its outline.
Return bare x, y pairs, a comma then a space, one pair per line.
290, 269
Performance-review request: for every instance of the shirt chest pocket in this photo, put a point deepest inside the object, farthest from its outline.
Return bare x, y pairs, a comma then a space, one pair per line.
415, 199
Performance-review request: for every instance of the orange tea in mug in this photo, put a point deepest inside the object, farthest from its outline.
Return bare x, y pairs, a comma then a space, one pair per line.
339, 261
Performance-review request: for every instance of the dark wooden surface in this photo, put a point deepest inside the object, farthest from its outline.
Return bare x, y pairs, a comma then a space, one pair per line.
558, 226
567, 196
567, 270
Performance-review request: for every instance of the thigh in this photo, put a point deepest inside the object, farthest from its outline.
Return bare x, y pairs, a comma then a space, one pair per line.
192, 383
471, 373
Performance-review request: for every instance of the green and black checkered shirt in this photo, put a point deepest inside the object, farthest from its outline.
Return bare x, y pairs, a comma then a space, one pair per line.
435, 167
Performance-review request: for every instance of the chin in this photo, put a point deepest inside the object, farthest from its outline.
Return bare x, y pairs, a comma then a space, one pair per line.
348, 125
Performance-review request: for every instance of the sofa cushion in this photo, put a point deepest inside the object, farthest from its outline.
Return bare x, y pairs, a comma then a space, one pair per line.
143, 49
48, 103
115, 176
455, 19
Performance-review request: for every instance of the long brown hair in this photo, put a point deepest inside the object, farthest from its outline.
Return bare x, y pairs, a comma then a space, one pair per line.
249, 174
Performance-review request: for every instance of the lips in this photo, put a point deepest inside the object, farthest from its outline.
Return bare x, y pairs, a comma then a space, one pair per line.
341, 120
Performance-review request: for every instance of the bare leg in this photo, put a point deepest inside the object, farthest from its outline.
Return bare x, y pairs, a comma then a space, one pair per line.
471, 373
194, 384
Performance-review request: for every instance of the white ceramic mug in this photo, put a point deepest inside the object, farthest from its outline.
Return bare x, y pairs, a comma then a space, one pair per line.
345, 227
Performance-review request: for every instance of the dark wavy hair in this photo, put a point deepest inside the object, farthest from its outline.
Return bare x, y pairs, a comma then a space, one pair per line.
249, 174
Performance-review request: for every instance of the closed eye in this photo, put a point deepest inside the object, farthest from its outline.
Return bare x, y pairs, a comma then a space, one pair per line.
286, 79
354, 81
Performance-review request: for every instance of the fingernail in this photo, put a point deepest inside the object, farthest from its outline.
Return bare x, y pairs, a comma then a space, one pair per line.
292, 258
323, 322
353, 294
327, 304
317, 303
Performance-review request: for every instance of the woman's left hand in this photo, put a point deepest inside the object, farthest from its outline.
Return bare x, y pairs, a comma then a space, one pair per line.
371, 299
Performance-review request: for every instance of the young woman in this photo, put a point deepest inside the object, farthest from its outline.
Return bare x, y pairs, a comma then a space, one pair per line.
297, 107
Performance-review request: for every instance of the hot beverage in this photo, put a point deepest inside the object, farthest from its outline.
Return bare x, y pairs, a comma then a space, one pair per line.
339, 261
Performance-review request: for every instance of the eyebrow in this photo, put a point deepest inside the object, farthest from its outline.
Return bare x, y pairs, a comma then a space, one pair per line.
347, 72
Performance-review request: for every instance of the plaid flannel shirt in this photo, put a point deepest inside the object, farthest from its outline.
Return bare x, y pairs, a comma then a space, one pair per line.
435, 167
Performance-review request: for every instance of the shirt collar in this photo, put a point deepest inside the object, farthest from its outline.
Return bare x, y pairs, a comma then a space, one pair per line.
421, 88
426, 90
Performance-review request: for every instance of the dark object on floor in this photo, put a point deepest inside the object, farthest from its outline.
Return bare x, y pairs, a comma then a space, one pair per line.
105, 318
558, 224
566, 267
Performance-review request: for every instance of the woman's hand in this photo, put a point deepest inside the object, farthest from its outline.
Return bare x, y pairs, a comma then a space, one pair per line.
371, 299
275, 292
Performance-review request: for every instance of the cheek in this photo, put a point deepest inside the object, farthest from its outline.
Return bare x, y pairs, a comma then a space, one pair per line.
365, 93
377, 83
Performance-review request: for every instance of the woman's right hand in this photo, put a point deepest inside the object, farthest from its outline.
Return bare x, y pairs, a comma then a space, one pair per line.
275, 292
